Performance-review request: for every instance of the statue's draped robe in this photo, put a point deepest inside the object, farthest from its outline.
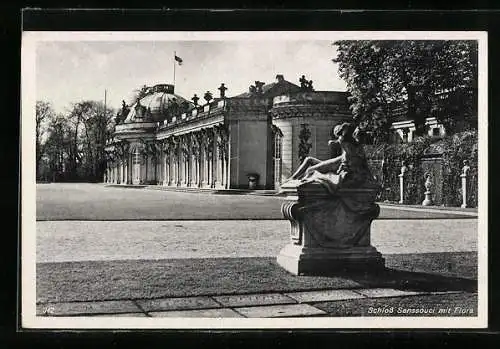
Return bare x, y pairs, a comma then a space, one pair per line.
351, 171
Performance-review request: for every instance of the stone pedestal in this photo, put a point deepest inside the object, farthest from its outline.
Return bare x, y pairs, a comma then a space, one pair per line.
329, 233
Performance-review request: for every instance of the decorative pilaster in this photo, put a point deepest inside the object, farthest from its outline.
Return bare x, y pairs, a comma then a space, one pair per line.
204, 161
200, 141
156, 157
216, 159
194, 159
172, 162
165, 162
184, 160
210, 151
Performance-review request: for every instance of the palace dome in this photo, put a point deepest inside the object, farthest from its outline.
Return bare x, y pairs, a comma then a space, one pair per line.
158, 103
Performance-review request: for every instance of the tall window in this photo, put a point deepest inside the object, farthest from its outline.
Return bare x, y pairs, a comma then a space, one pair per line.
277, 149
137, 156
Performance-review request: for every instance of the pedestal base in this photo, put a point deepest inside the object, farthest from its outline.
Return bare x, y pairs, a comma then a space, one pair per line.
300, 260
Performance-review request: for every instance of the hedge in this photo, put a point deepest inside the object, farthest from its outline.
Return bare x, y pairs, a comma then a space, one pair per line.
448, 153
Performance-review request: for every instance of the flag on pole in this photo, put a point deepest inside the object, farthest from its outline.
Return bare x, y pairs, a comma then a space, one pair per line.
178, 59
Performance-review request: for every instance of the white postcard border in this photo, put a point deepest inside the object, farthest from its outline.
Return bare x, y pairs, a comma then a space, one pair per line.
28, 193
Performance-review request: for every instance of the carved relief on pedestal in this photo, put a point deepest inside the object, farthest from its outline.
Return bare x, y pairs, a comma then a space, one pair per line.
340, 221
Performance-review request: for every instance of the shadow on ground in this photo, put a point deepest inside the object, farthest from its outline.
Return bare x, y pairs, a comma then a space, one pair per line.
139, 279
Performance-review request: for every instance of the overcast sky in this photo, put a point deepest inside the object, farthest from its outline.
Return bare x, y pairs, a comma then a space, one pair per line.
71, 71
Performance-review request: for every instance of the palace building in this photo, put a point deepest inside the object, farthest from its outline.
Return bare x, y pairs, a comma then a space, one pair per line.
251, 140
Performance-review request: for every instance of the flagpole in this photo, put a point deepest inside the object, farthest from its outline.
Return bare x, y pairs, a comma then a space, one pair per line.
174, 68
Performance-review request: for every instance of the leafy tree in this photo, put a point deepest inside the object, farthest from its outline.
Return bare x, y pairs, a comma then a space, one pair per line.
43, 115
75, 144
91, 125
57, 148
420, 78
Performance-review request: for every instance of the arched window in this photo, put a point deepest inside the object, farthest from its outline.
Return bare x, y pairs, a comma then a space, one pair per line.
277, 151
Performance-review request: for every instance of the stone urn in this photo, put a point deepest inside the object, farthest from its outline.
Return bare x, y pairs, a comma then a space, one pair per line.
428, 191
329, 233
253, 180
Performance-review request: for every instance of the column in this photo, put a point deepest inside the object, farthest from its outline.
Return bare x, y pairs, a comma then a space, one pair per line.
402, 184
465, 176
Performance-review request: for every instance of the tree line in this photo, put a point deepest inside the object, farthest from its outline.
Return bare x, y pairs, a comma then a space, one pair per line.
417, 78
70, 146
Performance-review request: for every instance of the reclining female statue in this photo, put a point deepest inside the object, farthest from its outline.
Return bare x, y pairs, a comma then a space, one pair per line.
348, 170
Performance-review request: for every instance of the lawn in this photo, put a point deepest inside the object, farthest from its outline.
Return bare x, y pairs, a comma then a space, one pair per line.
81, 201
136, 279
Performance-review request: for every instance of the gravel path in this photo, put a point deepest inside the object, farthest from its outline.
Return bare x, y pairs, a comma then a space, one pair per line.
94, 240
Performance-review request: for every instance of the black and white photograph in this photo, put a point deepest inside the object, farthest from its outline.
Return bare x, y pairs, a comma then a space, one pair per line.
177, 180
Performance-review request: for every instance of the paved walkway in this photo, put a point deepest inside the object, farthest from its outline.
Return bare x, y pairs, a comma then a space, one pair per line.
372, 302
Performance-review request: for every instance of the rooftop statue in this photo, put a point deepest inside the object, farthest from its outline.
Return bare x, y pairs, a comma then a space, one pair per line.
208, 96
348, 170
305, 84
222, 90
258, 86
